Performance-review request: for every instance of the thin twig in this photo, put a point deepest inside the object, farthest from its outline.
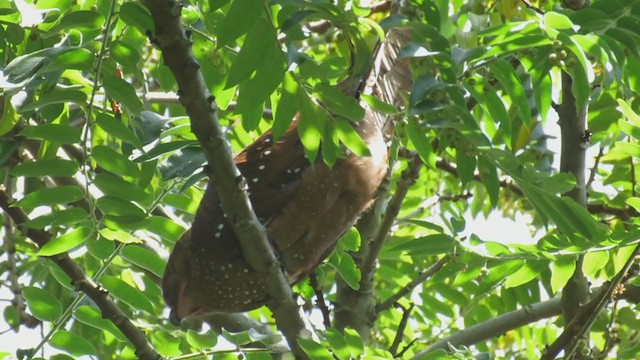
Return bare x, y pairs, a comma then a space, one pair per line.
528, 4
419, 279
406, 314
594, 169
320, 302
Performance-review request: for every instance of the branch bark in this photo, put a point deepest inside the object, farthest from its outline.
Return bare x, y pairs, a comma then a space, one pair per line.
223, 174
572, 120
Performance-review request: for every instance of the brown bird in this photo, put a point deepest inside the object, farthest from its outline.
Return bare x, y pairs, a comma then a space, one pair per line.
305, 208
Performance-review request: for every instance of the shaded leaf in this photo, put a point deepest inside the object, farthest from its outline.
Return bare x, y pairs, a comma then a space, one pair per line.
127, 293
51, 196
72, 343
42, 304
53, 167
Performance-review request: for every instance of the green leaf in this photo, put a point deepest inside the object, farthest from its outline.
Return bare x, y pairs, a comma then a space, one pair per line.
165, 148
311, 119
183, 163
557, 21
634, 202
594, 261
266, 80
119, 236
66, 242
71, 343
25, 67
115, 127
125, 54
42, 304
110, 205
79, 20
628, 112
115, 186
351, 239
512, 45
145, 259
420, 142
559, 183
201, 341
164, 227
287, 106
70, 58
337, 344
70, 216
53, 167
350, 138
528, 272
100, 248
561, 271
354, 342
60, 276
490, 180
379, 105
314, 350
51, 196
121, 91
337, 102
239, 20
498, 273
423, 87
61, 134
347, 269
466, 166
434, 244
507, 76
91, 316
330, 144
58, 96
256, 46
114, 162
127, 293
134, 14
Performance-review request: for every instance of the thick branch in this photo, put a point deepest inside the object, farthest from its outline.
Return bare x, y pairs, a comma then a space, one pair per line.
407, 179
587, 314
572, 121
223, 174
110, 311
512, 320
498, 325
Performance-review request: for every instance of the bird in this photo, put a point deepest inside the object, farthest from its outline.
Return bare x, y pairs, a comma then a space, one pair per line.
305, 208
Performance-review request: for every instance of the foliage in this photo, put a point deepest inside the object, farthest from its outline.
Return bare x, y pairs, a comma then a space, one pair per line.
112, 173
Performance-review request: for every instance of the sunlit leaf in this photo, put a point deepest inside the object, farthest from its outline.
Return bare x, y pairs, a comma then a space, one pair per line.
66, 242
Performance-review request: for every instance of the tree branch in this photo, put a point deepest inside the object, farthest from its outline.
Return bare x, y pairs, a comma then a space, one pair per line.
572, 120
407, 179
419, 279
510, 321
587, 314
223, 173
110, 311
406, 313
